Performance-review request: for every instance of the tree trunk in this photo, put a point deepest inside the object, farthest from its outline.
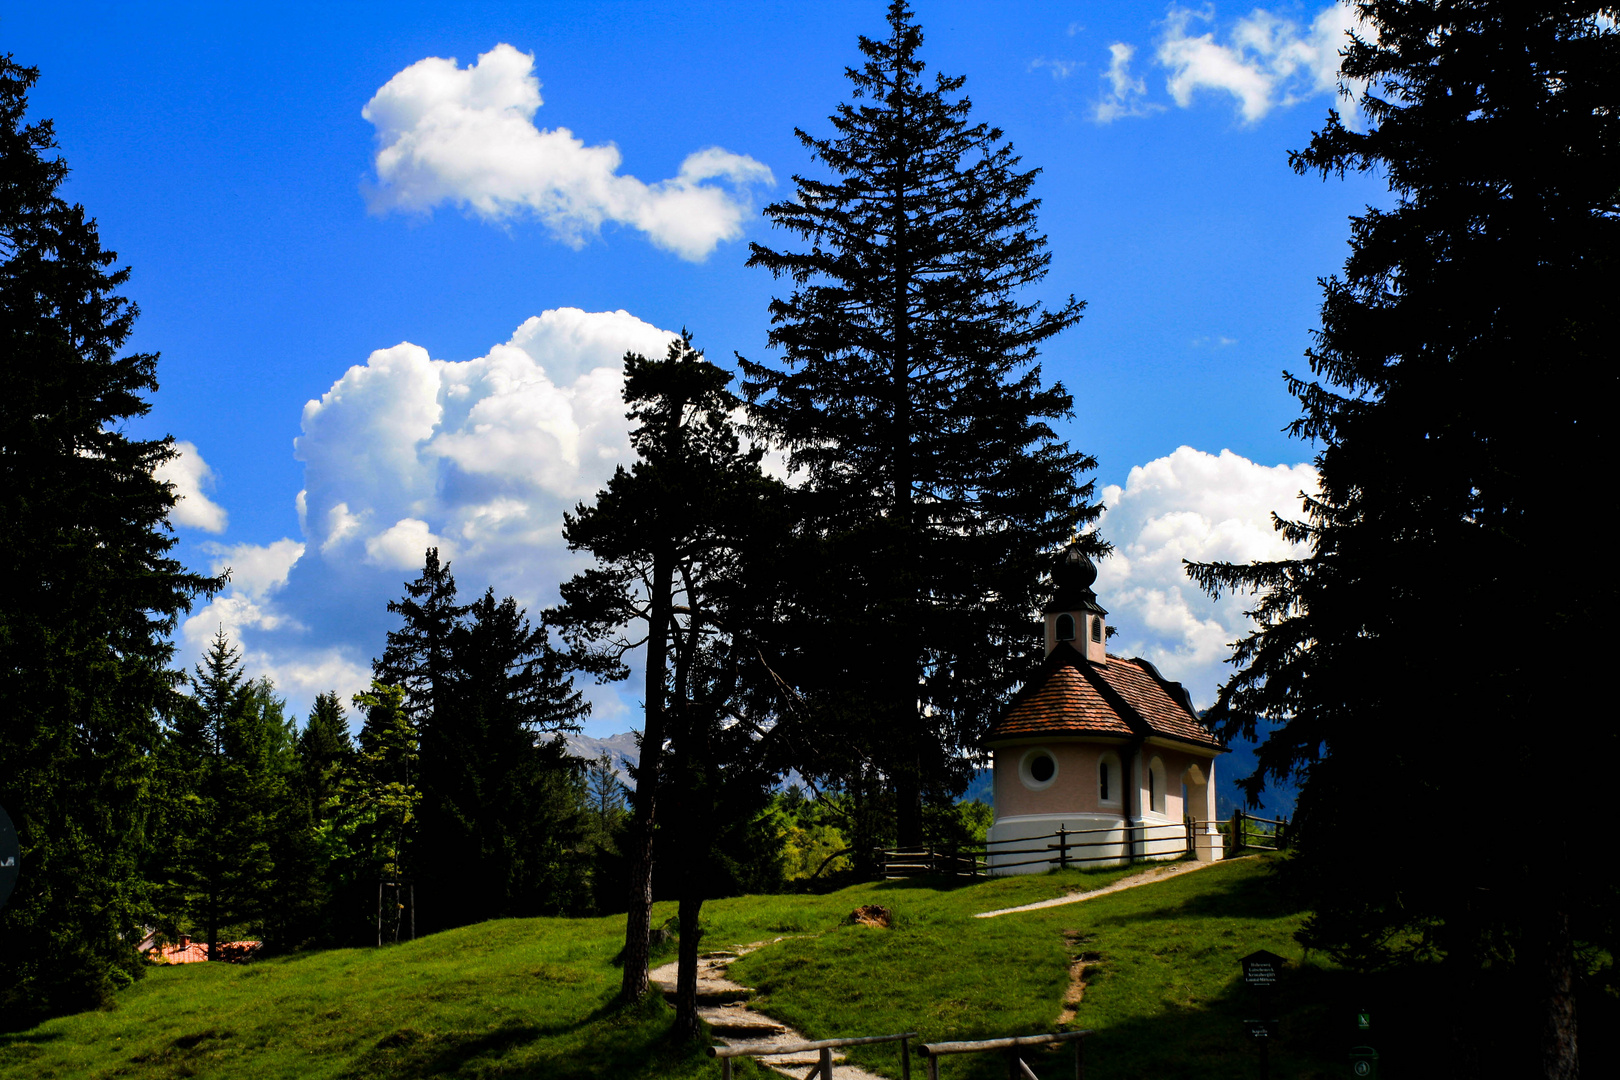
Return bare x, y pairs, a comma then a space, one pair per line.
688, 1027
638, 921
1553, 982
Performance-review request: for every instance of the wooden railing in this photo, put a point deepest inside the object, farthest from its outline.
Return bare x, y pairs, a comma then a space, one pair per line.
1252, 833
823, 1066
1016, 1065
1080, 847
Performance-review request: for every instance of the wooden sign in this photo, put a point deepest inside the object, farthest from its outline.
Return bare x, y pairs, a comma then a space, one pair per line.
1261, 969
10, 857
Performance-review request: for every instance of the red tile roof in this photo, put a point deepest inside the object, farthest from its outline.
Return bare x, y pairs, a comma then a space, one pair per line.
1065, 703
1070, 695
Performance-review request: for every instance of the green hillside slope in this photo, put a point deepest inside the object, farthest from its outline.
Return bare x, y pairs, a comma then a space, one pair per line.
519, 998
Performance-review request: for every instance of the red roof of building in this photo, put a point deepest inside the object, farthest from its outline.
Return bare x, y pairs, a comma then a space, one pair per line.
1070, 695
187, 951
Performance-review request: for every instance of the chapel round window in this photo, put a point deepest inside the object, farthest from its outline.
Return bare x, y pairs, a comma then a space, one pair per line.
1041, 768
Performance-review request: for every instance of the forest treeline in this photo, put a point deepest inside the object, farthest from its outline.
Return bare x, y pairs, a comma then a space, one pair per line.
456, 800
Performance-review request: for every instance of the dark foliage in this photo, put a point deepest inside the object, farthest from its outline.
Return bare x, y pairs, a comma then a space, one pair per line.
500, 806
909, 394
1465, 375
225, 769
688, 544
92, 593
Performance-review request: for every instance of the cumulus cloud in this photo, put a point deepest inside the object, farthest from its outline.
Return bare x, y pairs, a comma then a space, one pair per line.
275, 643
1265, 61
400, 547
466, 136
190, 475
1203, 508
479, 458
256, 569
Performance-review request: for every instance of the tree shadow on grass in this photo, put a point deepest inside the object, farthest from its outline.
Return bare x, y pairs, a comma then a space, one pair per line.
1259, 897
610, 1041
931, 882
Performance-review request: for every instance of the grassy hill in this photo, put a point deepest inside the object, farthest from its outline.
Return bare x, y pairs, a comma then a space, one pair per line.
532, 997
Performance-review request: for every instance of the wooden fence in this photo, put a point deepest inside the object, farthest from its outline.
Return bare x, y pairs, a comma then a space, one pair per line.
1017, 1067
1248, 832
824, 1047
1082, 847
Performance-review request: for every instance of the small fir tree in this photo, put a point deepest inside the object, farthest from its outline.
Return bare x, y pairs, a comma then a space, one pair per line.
226, 784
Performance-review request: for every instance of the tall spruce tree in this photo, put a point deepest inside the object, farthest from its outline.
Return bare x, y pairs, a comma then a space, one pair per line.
909, 394
1465, 383
680, 539
91, 594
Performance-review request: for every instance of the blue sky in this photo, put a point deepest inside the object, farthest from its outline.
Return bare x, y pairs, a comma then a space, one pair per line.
287, 250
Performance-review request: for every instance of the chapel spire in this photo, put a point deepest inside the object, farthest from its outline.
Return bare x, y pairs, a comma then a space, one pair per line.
1074, 616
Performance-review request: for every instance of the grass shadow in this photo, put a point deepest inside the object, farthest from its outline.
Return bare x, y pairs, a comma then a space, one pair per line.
409, 1054
1256, 897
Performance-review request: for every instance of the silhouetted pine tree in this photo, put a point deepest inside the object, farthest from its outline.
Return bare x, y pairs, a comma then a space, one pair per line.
909, 393
1463, 400
325, 752
91, 594
687, 543
502, 816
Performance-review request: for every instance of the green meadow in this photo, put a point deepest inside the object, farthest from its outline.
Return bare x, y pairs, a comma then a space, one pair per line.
533, 997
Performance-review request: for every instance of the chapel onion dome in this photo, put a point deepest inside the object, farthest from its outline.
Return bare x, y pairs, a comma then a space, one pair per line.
1073, 574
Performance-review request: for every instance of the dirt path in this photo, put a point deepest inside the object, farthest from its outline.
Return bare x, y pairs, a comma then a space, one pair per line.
1152, 874
723, 1004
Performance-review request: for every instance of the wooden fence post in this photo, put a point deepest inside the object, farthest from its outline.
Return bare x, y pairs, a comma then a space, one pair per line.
1063, 847
825, 1064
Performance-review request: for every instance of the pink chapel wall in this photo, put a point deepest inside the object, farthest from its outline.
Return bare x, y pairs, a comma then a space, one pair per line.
1071, 798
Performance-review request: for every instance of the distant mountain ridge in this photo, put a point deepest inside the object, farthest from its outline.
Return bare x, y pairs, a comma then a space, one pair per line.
623, 749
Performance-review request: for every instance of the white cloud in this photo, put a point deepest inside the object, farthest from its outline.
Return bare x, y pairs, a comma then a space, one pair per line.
1204, 508
1123, 93
1265, 62
256, 569
403, 546
466, 136
190, 475
478, 457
